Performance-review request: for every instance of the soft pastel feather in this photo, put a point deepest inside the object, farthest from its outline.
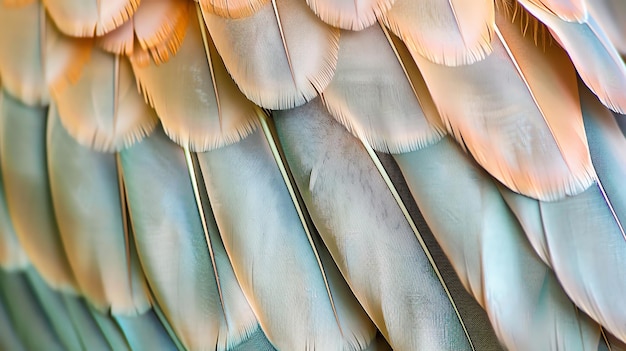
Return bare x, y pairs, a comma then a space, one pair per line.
25, 176
450, 32
88, 18
156, 24
381, 260
374, 94
89, 211
197, 101
245, 178
517, 113
175, 254
597, 61
487, 248
103, 108
299, 52
350, 14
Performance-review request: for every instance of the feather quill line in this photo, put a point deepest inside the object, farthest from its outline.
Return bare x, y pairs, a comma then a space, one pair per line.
282, 38
520, 72
207, 51
193, 177
297, 201
125, 218
405, 212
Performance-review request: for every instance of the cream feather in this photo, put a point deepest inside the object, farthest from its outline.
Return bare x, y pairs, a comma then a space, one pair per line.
197, 101
381, 260
299, 52
375, 95
274, 260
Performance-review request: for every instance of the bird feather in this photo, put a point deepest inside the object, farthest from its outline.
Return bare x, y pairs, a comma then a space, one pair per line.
174, 253
450, 32
487, 248
300, 52
517, 113
373, 94
87, 205
596, 59
323, 314
25, 176
197, 101
87, 18
380, 259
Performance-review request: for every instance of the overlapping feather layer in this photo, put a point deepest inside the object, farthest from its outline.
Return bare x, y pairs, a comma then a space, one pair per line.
88, 176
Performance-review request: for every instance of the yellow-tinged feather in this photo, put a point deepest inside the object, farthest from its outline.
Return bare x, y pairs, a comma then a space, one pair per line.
450, 32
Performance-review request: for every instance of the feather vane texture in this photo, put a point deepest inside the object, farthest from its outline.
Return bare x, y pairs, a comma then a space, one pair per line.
198, 103
232, 8
350, 14
323, 313
22, 71
490, 254
87, 18
518, 114
174, 253
300, 51
588, 266
157, 25
567, 10
611, 16
25, 177
449, 32
87, 206
103, 109
374, 95
347, 202
596, 59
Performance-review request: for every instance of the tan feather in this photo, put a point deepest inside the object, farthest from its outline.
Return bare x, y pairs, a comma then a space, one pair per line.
232, 8
88, 18
450, 32
103, 109
155, 24
197, 101
298, 49
517, 112
374, 94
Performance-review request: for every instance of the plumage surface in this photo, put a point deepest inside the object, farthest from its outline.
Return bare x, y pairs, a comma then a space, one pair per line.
229, 210
301, 52
450, 32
